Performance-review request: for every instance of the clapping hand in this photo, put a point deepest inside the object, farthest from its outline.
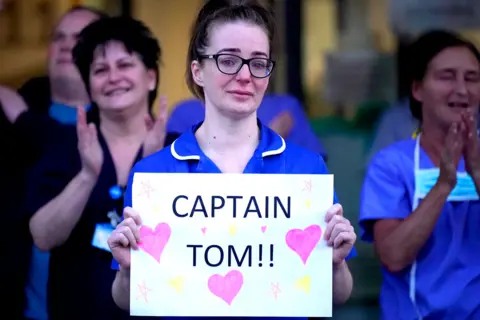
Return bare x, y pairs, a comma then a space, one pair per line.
471, 148
451, 154
91, 153
155, 139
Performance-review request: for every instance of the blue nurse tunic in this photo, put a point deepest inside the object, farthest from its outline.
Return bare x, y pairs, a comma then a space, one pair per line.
272, 156
446, 281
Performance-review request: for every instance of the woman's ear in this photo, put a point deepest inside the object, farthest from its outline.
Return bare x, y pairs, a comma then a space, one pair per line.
197, 72
153, 79
417, 91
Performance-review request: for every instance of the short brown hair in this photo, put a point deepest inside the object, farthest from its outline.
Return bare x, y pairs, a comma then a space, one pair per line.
423, 51
221, 11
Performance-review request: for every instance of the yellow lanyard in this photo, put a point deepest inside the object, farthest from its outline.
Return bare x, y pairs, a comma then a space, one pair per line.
415, 134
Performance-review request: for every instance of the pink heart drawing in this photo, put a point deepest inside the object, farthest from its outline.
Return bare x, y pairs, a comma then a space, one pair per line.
264, 228
226, 287
204, 230
304, 241
154, 241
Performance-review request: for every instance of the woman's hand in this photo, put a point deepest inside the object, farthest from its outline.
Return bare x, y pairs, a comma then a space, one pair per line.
471, 147
91, 152
155, 139
124, 237
451, 154
339, 234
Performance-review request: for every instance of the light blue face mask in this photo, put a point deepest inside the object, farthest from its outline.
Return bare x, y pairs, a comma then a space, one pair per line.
425, 179
465, 189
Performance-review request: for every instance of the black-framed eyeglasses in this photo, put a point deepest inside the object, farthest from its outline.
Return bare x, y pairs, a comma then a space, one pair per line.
231, 64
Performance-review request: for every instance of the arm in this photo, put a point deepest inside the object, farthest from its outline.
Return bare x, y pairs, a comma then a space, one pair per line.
12, 104
339, 234
52, 224
385, 214
342, 283
121, 284
397, 242
121, 289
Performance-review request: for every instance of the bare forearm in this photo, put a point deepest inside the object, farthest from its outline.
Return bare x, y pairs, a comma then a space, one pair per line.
121, 289
11, 103
400, 248
51, 225
342, 283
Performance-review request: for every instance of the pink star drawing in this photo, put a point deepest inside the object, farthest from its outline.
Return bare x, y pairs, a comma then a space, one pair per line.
143, 291
275, 289
307, 186
146, 189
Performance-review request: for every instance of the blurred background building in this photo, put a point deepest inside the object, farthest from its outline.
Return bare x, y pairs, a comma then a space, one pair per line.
341, 58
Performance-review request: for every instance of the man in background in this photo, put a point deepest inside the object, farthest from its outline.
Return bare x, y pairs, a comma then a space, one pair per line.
66, 93
27, 127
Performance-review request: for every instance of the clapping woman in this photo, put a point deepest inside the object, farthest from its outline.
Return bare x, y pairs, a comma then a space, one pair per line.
76, 193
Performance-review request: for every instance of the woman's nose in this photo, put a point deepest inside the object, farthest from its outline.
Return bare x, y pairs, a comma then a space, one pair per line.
461, 87
244, 73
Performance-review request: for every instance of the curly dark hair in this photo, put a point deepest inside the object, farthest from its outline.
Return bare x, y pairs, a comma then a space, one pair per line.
133, 34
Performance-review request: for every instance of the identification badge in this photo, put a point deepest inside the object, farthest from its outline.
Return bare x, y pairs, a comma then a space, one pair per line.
101, 235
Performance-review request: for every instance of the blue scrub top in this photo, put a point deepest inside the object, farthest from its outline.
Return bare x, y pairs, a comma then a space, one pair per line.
272, 156
448, 267
36, 288
64, 114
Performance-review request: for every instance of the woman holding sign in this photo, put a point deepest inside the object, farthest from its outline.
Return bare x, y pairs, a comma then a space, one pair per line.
420, 199
229, 65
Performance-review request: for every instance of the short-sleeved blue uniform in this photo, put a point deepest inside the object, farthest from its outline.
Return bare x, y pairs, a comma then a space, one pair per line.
446, 282
272, 156
79, 274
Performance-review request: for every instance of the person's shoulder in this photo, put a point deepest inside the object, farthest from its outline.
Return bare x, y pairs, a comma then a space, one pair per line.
171, 137
159, 161
396, 151
394, 157
303, 161
36, 83
294, 158
36, 92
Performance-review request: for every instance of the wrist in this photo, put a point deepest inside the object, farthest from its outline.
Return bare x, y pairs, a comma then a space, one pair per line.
87, 176
339, 265
443, 188
125, 274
